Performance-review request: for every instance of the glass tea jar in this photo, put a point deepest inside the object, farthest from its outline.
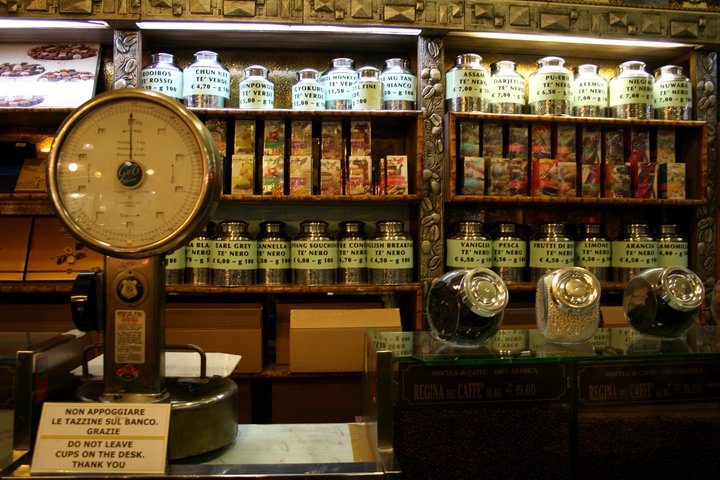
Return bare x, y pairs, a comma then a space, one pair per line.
466, 85
672, 94
308, 93
663, 302
273, 254
163, 75
506, 92
550, 88
255, 89
399, 85
466, 307
567, 305
589, 92
631, 92
233, 256
206, 81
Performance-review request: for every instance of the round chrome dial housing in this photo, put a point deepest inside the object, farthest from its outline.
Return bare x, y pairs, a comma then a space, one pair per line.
133, 173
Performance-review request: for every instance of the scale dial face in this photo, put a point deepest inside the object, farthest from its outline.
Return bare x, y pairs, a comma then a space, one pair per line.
132, 173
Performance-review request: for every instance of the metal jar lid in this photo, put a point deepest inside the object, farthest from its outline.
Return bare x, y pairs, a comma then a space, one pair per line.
551, 62
272, 227
485, 292
256, 71
314, 226
368, 72
352, 228
682, 289
308, 74
469, 228
231, 227
389, 226
575, 289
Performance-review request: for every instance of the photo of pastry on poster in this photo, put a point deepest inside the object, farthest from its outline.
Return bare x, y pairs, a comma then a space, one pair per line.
47, 75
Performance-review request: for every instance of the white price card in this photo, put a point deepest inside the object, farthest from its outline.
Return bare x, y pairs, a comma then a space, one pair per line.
128, 438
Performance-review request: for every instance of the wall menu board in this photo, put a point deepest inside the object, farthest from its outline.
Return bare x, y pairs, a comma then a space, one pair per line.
47, 75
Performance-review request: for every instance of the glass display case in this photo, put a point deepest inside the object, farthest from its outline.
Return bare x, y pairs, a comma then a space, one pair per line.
519, 406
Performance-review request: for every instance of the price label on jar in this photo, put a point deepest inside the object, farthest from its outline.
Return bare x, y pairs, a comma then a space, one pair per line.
314, 254
469, 253
234, 255
400, 86
206, 81
164, 80
673, 254
544, 254
549, 86
590, 93
634, 254
273, 255
632, 90
351, 253
308, 96
465, 83
593, 253
256, 94
175, 260
671, 94
392, 254
198, 253
509, 253
505, 89
338, 86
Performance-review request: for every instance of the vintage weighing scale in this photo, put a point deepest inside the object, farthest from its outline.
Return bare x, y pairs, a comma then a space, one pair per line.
134, 174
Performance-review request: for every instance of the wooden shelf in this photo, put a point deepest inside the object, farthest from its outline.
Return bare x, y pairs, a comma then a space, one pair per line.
525, 200
285, 199
65, 287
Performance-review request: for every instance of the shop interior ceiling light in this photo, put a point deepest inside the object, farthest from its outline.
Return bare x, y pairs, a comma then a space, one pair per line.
44, 24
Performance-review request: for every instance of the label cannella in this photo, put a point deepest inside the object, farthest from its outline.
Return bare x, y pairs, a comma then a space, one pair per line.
469, 253
234, 255
273, 255
509, 253
314, 254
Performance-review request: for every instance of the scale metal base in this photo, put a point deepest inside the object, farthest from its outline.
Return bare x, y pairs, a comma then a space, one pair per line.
203, 414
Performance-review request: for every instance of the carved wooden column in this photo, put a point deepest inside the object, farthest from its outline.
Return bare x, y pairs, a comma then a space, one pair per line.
705, 75
431, 56
127, 59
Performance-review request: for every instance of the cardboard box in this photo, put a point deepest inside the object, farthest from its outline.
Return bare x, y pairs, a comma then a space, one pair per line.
334, 340
56, 255
226, 328
282, 320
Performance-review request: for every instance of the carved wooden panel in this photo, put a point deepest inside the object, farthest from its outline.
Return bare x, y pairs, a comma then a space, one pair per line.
410, 13
75, 6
